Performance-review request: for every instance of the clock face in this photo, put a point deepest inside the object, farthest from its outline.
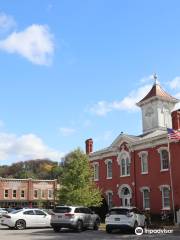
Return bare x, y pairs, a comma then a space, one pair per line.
149, 112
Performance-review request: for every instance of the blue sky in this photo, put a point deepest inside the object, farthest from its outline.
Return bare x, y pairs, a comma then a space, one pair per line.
71, 70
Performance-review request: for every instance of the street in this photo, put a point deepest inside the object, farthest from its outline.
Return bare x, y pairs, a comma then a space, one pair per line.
48, 233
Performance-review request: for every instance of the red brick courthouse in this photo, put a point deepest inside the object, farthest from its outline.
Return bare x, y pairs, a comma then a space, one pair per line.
27, 192
135, 170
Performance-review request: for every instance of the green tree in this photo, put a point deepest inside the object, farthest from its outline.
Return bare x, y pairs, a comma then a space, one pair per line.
77, 186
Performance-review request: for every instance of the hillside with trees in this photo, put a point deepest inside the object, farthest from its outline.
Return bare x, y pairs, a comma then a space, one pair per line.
36, 169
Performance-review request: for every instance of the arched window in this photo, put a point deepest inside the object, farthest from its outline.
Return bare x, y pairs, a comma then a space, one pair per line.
96, 171
124, 161
164, 158
109, 195
144, 162
108, 163
146, 197
125, 194
165, 191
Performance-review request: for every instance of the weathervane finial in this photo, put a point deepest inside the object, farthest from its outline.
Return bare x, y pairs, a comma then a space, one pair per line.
155, 78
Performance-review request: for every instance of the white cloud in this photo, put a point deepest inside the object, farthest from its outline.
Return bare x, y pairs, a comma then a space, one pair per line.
7, 22
147, 79
177, 106
35, 43
175, 83
128, 103
101, 108
177, 95
67, 131
25, 147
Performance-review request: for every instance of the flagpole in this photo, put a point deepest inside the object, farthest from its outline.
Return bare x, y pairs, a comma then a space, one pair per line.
171, 182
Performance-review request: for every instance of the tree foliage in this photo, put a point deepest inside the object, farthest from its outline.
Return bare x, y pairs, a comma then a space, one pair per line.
77, 186
39, 169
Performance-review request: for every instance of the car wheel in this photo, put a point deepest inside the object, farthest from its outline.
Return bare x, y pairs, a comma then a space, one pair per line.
108, 229
79, 226
56, 229
96, 225
20, 224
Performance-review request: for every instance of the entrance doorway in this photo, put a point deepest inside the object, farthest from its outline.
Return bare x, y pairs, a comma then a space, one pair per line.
125, 195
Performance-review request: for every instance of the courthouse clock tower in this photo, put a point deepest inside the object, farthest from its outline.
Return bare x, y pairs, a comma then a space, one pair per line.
156, 108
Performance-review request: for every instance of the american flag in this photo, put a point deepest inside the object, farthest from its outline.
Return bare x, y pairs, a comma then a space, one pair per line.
173, 134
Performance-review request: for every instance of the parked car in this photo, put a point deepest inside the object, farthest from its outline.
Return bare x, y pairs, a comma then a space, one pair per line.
26, 218
74, 217
2, 211
123, 218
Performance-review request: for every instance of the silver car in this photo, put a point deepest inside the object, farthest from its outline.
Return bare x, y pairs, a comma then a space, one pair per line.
74, 217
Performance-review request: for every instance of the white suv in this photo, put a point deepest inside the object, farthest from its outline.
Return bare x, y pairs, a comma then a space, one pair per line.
123, 218
74, 217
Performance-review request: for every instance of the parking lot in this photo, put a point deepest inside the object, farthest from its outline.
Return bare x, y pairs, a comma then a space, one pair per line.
48, 233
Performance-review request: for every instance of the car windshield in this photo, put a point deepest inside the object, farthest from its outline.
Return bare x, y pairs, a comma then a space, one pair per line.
119, 211
62, 209
15, 211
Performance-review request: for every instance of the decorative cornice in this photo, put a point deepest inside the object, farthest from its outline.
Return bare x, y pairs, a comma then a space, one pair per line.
26, 180
139, 144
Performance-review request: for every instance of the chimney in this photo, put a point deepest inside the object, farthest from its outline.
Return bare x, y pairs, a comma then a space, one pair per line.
89, 146
176, 119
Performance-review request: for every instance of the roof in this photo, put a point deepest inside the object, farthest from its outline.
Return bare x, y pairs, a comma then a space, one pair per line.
132, 140
125, 137
157, 91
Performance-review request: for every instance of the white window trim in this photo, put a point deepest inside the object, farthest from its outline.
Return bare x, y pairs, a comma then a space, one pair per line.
44, 193
20, 193
52, 194
107, 194
124, 186
8, 193
95, 164
140, 155
34, 194
161, 187
142, 190
160, 153
107, 161
12, 193
119, 159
